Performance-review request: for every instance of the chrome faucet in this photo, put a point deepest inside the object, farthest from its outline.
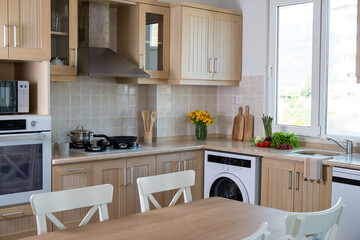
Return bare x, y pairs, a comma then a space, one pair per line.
349, 143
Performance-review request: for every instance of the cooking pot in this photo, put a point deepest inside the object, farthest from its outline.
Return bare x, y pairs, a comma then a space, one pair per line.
119, 141
80, 135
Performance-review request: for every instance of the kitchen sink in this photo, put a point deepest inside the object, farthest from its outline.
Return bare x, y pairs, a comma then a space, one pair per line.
317, 152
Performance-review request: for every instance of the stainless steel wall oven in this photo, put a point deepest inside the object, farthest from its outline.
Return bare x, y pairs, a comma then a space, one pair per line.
25, 157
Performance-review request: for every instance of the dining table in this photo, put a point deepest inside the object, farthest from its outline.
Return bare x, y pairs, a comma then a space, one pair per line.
211, 218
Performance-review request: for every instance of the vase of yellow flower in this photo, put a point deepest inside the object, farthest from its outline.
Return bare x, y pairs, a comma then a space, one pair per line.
201, 119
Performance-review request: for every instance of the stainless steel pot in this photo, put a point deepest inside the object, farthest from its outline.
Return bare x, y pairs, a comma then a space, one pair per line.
80, 135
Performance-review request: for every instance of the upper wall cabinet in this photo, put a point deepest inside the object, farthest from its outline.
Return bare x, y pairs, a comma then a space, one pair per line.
25, 28
144, 39
205, 45
64, 40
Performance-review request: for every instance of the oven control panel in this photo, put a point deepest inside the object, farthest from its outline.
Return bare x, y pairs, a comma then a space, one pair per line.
12, 125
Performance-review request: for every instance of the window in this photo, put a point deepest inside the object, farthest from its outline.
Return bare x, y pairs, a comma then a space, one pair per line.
312, 83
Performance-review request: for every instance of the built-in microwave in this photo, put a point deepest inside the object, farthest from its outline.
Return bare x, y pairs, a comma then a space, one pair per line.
14, 97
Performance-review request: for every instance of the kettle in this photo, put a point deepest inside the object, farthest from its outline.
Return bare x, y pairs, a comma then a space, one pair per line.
57, 61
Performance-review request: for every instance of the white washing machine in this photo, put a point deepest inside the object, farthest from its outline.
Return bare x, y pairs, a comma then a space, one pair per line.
233, 176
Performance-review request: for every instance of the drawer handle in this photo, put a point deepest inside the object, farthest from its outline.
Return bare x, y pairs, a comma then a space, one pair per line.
74, 169
124, 184
297, 174
131, 175
11, 214
179, 169
75, 56
15, 36
289, 179
184, 165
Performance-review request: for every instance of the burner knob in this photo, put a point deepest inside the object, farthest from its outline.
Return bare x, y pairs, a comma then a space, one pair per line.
33, 123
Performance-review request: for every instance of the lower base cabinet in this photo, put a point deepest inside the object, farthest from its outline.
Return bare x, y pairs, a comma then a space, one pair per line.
283, 187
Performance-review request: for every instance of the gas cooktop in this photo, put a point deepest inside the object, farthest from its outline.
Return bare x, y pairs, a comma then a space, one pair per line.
110, 150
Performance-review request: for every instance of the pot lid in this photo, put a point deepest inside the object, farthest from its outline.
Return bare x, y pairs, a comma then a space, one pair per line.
80, 129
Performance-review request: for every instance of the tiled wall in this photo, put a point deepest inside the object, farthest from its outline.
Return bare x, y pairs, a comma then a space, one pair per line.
99, 104
103, 106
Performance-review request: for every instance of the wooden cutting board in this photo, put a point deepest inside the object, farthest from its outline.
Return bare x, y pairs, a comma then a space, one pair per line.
249, 124
238, 127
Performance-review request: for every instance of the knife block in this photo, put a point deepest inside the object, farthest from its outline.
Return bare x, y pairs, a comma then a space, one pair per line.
147, 136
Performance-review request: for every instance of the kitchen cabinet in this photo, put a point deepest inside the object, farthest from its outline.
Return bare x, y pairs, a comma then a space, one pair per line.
17, 222
175, 162
70, 177
147, 25
206, 45
283, 187
64, 39
25, 29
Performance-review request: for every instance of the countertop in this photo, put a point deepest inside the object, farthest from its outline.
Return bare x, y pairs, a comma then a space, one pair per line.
218, 144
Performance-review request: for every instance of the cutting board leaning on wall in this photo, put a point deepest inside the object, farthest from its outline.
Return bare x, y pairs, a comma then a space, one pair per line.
238, 126
249, 124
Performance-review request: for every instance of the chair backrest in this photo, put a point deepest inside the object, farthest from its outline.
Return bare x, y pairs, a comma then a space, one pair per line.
324, 225
44, 204
261, 234
164, 182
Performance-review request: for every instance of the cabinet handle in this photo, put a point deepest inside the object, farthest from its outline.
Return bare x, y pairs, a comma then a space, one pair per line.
179, 166
297, 174
75, 57
211, 65
10, 214
216, 65
74, 169
131, 175
124, 184
4, 31
14, 36
143, 61
184, 165
289, 179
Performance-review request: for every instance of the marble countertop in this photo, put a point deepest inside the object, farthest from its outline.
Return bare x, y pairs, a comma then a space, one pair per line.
218, 144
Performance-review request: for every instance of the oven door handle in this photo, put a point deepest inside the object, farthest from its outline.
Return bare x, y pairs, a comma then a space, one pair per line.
22, 137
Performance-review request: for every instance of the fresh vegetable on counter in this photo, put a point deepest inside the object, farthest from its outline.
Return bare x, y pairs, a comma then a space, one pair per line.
284, 141
256, 139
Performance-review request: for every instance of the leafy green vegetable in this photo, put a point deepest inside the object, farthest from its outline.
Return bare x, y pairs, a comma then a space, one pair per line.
257, 139
282, 140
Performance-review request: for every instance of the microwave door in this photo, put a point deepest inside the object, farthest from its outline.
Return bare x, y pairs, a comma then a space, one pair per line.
8, 98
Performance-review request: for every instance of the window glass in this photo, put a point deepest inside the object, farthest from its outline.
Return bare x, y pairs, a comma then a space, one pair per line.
294, 64
343, 92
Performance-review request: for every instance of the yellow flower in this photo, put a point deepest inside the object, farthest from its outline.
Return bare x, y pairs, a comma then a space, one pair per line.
192, 121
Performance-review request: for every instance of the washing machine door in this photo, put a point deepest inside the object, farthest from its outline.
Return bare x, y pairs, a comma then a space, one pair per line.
227, 185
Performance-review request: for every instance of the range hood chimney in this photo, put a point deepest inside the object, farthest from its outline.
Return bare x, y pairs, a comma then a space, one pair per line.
96, 59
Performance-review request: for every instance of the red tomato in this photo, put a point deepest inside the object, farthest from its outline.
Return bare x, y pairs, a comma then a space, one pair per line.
266, 144
259, 144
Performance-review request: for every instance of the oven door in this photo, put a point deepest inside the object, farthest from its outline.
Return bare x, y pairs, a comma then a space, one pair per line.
8, 97
25, 166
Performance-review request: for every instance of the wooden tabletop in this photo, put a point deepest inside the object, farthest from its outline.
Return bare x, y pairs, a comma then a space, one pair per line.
212, 218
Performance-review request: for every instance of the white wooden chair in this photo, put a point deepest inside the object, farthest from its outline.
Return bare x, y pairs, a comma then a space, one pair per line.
261, 234
44, 204
322, 225
164, 182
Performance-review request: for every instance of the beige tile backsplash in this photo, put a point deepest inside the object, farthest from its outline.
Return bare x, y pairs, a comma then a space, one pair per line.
103, 106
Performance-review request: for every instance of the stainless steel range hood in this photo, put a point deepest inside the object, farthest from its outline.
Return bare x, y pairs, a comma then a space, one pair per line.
96, 59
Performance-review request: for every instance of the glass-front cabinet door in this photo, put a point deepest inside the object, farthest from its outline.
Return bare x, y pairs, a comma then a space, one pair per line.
63, 40
154, 41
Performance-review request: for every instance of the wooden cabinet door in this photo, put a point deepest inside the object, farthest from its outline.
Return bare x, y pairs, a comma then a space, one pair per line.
154, 40
4, 39
137, 167
312, 196
227, 47
167, 163
197, 44
194, 160
29, 28
17, 222
71, 177
277, 184
113, 172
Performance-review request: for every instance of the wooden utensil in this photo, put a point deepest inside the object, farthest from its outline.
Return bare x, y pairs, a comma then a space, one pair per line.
153, 118
143, 117
249, 124
146, 115
238, 127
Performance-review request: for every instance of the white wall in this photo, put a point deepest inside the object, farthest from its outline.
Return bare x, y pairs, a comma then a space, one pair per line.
254, 31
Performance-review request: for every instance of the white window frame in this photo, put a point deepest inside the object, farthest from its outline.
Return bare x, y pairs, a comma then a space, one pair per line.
317, 51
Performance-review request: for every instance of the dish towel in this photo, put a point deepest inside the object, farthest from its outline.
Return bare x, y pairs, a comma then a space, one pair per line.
313, 169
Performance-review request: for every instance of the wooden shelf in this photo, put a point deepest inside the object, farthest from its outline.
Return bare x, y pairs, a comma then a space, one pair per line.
59, 33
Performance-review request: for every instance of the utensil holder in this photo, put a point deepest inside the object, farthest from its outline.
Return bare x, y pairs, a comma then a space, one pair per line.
147, 136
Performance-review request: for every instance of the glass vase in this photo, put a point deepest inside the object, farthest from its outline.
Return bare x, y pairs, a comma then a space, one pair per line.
200, 131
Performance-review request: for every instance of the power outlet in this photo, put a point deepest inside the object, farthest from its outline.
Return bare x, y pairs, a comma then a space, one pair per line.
239, 100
